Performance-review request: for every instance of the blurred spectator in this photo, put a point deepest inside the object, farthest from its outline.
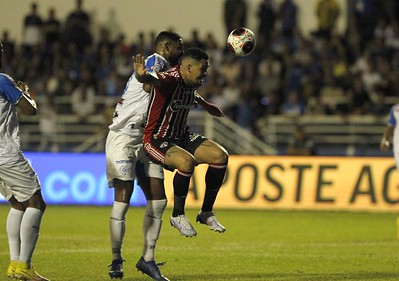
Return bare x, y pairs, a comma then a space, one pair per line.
140, 45
214, 52
195, 40
230, 69
104, 42
379, 106
77, 28
83, 101
48, 126
287, 17
269, 74
113, 25
300, 144
327, 13
266, 18
235, 14
366, 15
8, 47
359, 100
79, 17
292, 106
32, 31
332, 96
111, 84
51, 30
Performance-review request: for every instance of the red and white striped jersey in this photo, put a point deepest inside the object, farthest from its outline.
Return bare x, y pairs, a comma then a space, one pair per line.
170, 103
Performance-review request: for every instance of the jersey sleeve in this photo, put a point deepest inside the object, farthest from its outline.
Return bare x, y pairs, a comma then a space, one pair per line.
168, 81
391, 118
155, 64
9, 90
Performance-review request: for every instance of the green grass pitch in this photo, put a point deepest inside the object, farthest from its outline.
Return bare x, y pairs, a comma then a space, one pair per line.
257, 245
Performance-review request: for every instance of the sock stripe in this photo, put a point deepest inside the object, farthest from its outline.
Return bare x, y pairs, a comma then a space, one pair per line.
218, 165
184, 173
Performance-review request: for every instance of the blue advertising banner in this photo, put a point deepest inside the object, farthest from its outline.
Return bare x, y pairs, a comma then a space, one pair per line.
75, 179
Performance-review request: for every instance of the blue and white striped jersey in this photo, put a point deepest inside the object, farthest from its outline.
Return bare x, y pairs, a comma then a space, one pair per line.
10, 95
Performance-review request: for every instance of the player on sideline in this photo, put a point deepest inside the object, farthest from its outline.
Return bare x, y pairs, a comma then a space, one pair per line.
168, 140
19, 183
391, 134
126, 160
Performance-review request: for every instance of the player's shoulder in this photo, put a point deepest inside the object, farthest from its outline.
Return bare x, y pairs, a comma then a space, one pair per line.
156, 63
5, 78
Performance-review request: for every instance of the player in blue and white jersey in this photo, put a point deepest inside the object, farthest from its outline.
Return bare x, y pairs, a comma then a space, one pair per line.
126, 161
19, 183
391, 134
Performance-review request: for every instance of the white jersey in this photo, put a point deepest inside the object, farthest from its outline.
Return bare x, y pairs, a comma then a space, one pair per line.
393, 122
10, 95
130, 112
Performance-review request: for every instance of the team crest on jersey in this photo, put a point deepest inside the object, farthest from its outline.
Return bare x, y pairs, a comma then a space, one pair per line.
164, 144
123, 170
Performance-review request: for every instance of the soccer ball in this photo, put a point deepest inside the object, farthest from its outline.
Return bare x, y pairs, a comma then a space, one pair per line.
241, 41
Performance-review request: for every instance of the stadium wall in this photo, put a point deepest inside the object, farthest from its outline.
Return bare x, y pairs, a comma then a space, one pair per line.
131, 17
252, 182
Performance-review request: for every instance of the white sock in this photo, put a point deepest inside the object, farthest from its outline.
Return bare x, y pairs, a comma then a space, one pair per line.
117, 227
13, 226
152, 226
30, 226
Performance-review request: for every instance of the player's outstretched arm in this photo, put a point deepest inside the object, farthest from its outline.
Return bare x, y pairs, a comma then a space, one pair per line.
210, 107
26, 103
141, 72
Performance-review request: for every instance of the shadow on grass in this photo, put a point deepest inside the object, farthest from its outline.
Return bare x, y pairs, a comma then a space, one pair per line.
362, 276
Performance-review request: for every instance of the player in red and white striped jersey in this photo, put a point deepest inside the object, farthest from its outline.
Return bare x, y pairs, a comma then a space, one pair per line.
168, 140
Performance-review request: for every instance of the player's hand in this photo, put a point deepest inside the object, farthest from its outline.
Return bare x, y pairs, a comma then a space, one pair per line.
214, 110
384, 145
139, 65
23, 87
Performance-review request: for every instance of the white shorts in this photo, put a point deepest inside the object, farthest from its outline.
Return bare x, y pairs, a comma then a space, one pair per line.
123, 154
17, 178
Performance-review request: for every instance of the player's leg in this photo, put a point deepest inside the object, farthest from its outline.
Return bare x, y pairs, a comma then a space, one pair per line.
13, 226
152, 224
217, 158
120, 153
29, 232
123, 191
151, 180
175, 157
184, 162
24, 186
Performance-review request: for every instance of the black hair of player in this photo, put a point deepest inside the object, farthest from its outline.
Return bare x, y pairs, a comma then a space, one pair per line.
167, 36
195, 53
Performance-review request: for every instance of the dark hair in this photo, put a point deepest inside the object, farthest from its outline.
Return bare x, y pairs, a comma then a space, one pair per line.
167, 36
196, 53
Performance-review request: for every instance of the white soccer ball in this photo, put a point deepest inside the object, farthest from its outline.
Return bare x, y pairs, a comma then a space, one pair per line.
241, 41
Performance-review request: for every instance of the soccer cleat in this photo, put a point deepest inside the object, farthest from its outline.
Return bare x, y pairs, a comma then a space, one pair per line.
25, 272
183, 225
209, 219
151, 269
116, 269
11, 269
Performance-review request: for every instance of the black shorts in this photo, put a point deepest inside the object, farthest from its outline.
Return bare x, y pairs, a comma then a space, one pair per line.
157, 148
